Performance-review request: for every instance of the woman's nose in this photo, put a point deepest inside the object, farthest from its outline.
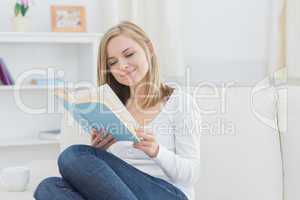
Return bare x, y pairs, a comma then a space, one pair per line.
123, 64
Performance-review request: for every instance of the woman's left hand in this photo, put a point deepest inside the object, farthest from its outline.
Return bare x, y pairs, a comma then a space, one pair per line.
148, 143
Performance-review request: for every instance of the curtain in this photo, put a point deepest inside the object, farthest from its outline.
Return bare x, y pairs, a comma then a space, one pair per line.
286, 54
277, 38
284, 40
293, 39
160, 19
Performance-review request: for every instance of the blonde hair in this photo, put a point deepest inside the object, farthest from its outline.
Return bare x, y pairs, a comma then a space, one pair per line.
155, 90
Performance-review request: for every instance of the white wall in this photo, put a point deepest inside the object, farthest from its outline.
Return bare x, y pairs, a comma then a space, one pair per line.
226, 40
40, 14
223, 40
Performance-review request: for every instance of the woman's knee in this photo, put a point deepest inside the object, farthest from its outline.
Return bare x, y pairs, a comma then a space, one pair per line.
71, 155
46, 188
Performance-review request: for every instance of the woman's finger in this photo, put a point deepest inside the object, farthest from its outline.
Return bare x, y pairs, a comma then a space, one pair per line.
104, 141
145, 136
94, 142
97, 140
109, 144
93, 134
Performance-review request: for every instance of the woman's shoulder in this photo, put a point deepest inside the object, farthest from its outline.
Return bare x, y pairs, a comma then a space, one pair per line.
183, 93
181, 99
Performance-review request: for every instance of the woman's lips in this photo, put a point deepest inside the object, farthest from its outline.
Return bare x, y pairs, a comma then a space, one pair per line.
129, 73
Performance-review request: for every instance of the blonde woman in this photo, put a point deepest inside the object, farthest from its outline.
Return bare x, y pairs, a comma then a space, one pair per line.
165, 164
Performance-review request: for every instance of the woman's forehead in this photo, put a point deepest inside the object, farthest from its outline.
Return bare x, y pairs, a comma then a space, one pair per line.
119, 43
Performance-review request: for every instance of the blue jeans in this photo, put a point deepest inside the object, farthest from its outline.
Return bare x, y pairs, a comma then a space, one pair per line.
90, 173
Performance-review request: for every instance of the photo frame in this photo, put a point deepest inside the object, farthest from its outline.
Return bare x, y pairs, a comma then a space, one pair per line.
68, 18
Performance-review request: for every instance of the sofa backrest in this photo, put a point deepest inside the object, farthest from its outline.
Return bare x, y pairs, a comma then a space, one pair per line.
240, 150
289, 115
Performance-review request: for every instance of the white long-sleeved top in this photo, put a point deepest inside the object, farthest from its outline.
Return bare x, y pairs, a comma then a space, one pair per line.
177, 130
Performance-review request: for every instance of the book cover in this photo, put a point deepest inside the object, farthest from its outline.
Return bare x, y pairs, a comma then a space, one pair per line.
5, 77
48, 136
51, 134
100, 108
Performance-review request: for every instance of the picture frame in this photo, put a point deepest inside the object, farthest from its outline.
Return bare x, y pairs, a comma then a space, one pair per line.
66, 18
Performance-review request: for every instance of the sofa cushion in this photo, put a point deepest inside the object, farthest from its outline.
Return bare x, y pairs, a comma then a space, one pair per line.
240, 154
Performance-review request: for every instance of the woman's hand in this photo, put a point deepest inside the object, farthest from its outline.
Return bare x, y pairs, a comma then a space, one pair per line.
98, 141
148, 143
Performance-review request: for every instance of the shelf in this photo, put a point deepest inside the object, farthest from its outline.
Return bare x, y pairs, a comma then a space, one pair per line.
27, 87
33, 106
34, 88
27, 142
30, 87
44, 37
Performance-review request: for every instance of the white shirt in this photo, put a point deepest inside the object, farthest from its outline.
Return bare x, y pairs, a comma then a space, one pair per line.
177, 130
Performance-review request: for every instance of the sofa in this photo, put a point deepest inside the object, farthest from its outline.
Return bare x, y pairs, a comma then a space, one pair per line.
242, 153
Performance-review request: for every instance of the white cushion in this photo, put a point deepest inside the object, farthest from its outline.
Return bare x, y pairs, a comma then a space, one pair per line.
289, 109
244, 162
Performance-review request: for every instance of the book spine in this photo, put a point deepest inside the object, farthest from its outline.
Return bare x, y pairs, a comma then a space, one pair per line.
5, 76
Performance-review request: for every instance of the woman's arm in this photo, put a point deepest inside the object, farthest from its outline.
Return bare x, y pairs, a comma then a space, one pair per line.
183, 166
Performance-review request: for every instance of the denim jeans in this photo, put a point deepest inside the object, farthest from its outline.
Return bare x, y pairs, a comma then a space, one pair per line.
90, 173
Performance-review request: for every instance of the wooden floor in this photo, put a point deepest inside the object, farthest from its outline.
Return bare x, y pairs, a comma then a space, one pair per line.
39, 170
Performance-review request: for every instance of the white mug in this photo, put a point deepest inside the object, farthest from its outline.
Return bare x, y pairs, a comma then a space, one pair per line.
14, 179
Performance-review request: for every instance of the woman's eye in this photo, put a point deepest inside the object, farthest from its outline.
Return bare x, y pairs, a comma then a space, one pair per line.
128, 55
111, 63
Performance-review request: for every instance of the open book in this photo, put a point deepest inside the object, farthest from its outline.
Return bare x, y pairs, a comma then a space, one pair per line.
100, 108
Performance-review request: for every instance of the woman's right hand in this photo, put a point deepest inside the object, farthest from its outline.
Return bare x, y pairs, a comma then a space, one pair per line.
98, 141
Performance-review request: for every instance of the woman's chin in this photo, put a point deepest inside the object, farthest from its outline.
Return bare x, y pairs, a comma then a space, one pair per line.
131, 82
128, 82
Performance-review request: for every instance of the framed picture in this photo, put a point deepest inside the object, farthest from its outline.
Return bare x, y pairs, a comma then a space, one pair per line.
68, 19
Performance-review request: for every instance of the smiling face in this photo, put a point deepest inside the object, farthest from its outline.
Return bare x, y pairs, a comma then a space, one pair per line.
126, 60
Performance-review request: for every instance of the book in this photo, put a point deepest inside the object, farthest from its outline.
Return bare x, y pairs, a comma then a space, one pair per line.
99, 108
53, 134
48, 82
5, 76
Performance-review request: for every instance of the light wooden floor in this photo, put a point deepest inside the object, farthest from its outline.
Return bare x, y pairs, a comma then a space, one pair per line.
39, 170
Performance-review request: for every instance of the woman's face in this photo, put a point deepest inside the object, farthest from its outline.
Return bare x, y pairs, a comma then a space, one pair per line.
126, 60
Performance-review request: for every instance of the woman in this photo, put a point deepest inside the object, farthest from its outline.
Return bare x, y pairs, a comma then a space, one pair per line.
165, 164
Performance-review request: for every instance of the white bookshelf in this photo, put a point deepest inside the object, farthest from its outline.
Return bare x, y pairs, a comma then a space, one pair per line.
61, 38
27, 142
73, 53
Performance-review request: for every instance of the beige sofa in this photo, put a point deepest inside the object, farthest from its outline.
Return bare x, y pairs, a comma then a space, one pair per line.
240, 149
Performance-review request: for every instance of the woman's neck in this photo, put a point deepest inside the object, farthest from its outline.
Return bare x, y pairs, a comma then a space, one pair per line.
137, 95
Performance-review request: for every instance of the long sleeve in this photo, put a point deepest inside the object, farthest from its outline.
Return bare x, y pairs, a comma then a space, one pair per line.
182, 166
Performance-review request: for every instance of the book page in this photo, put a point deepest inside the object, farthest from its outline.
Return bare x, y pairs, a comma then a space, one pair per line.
115, 104
103, 94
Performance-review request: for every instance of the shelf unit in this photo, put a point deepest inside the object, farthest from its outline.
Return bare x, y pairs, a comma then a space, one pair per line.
27, 142
36, 55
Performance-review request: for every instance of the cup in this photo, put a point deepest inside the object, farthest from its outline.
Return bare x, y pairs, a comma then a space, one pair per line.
15, 179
